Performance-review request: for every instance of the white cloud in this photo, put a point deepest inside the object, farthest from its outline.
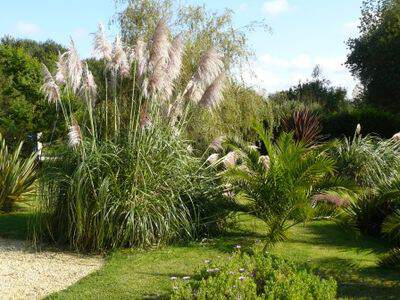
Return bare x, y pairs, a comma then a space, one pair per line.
274, 73
26, 29
275, 7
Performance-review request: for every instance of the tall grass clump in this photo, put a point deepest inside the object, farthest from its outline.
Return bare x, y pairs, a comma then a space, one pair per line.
373, 164
17, 176
126, 175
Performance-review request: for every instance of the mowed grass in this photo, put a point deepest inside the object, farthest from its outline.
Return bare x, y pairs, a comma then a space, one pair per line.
351, 260
134, 274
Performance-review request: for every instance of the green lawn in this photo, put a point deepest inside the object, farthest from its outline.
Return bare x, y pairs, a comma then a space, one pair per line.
137, 274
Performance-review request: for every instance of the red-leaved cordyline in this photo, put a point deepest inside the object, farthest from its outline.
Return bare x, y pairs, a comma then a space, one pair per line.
74, 67
209, 68
120, 62
102, 47
74, 135
62, 70
213, 94
50, 87
89, 86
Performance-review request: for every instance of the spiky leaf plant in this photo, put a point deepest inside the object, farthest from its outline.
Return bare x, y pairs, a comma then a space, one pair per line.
17, 176
127, 176
305, 126
278, 188
374, 165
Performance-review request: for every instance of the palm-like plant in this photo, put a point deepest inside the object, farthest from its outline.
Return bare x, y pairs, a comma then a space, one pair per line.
17, 176
279, 187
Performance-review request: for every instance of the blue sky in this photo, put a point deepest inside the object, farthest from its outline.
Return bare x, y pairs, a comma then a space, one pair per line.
305, 32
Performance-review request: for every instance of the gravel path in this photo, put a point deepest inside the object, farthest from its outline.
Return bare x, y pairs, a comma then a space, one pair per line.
26, 274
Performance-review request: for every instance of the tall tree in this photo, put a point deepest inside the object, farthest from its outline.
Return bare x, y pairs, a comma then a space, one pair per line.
375, 56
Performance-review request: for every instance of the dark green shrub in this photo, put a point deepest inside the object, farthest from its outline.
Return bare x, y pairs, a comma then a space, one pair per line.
373, 121
257, 276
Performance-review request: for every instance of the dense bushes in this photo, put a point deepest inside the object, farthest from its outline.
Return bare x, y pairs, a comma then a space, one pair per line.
257, 276
373, 120
17, 176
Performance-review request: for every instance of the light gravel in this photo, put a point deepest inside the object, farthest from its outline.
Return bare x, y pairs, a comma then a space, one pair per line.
28, 274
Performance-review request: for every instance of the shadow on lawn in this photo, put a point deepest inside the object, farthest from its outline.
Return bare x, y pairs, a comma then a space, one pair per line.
14, 225
331, 234
354, 281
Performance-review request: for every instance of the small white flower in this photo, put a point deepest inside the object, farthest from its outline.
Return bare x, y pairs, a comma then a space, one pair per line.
238, 247
173, 278
186, 278
241, 278
358, 129
242, 270
207, 261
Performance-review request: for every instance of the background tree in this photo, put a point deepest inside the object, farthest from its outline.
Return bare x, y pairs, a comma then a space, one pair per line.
23, 109
374, 56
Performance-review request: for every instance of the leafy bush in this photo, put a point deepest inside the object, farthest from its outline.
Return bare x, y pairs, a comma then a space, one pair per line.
279, 187
17, 176
259, 276
128, 176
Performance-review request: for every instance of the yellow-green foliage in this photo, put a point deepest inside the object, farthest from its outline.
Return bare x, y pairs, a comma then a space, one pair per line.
234, 117
17, 176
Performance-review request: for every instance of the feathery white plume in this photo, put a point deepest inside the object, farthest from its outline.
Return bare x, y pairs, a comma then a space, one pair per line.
230, 159
74, 66
50, 87
159, 59
213, 94
173, 68
396, 136
88, 83
74, 135
213, 159
209, 68
159, 51
102, 47
120, 60
265, 160
216, 144
62, 70
139, 54
358, 129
